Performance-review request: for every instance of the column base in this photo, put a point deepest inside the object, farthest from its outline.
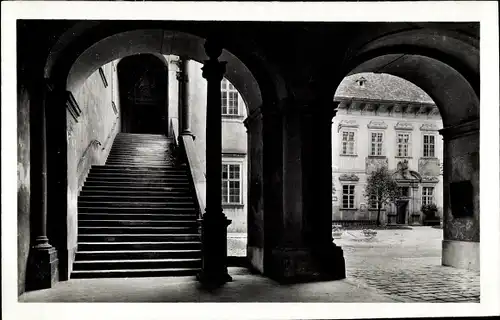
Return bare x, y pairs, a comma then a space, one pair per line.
461, 254
210, 279
43, 269
214, 250
294, 265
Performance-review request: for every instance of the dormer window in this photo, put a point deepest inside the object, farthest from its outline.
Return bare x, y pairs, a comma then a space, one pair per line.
361, 82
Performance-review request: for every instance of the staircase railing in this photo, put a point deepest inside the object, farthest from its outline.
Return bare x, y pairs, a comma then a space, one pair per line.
185, 144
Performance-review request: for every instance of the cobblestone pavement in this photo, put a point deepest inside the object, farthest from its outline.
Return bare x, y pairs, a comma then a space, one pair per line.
407, 264
404, 264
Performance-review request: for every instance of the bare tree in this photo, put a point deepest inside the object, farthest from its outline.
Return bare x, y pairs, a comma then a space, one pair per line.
381, 188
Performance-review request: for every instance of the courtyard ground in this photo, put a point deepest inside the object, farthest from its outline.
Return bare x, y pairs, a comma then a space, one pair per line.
404, 264
394, 266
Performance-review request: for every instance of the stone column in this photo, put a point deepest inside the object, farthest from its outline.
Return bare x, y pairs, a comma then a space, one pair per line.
306, 250
43, 261
214, 223
185, 116
461, 195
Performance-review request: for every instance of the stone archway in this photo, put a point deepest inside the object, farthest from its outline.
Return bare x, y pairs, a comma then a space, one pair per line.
450, 79
73, 68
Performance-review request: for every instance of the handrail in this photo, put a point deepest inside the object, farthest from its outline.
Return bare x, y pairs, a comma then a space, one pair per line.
92, 143
196, 170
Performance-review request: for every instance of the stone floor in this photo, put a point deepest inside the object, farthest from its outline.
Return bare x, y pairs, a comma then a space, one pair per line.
394, 266
245, 287
405, 264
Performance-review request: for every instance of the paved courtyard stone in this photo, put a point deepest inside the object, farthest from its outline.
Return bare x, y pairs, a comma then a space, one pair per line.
407, 264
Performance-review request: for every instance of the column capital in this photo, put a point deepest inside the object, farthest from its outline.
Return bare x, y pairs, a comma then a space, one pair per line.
213, 48
213, 70
460, 130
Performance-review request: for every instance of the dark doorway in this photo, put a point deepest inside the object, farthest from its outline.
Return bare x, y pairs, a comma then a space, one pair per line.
401, 214
143, 81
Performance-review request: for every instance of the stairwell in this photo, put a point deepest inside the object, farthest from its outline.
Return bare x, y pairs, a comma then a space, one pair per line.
137, 214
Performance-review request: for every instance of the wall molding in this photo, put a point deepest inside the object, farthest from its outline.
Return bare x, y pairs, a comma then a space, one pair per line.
103, 77
401, 125
72, 106
113, 105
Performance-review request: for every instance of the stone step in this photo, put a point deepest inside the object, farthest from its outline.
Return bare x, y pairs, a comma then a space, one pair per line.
136, 230
145, 245
107, 222
145, 174
141, 210
132, 188
130, 204
136, 264
102, 183
137, 237
137, 254
130, 194
135, 198
168, 168
99, 215
134, 273
178, 179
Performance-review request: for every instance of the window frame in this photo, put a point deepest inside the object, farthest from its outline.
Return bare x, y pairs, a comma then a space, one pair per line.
409, 144
425, 197
353, 195
354, 142
370, 144
228, 180
225, 88
423, 145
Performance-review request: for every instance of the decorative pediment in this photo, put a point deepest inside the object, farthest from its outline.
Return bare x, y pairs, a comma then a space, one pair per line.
431, 179
348, 124
401, 125
348, 177
429, 127
377, 124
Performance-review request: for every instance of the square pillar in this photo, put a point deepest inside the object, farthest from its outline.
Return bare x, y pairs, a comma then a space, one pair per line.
461, 196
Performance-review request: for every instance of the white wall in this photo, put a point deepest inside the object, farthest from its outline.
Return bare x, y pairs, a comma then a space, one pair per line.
90, 137
357, 164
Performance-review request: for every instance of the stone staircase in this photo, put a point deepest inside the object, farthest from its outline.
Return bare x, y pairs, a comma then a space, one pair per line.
137, 215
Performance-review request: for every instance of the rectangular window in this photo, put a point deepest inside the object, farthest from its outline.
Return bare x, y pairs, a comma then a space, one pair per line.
403, 144
348, 196
231, 183
429, 145
373, 202
348, 142
229, 98
427, 195
377, 140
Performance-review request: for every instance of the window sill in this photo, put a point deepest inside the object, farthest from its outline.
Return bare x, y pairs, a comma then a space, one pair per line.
232, 116
403, 157
349, 209
376, 209
233, 205
376, 157
429, 158
348, 155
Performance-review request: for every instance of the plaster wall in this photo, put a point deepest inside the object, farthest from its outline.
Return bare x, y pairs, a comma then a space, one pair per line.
234, 137
359, 163
90, 138
23, 185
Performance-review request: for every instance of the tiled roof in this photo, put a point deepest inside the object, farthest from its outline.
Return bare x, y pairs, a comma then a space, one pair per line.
380, 86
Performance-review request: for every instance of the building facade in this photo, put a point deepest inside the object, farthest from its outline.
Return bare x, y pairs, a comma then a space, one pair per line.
382, 120
234, 136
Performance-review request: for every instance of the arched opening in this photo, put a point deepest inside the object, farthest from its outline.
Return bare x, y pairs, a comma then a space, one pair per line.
451, 98
143, 81
181, 52
384, 121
